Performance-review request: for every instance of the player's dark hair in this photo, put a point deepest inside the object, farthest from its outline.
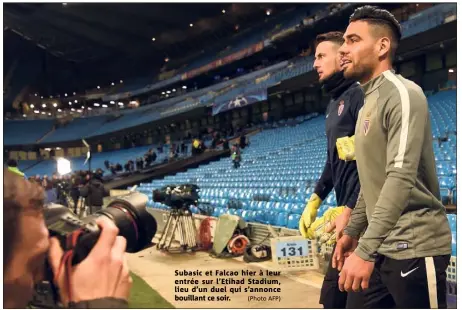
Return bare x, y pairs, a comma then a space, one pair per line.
333, 36
380, 18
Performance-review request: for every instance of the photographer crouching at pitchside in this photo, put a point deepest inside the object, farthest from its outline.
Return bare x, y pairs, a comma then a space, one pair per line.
27, 246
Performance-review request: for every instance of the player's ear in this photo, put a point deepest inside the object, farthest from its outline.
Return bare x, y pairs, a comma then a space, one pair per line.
383, 46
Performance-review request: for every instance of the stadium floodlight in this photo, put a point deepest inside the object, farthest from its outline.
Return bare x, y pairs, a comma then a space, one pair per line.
44, 105
153, 39
63, 166
184, 87
32, 106
190, 25
223, 11
104, 106
96, 104
168, 92
112, 102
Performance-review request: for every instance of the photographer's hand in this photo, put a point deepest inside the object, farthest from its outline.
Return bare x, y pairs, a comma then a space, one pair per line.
102, 274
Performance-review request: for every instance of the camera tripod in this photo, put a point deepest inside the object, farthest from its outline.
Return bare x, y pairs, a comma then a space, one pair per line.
179, 221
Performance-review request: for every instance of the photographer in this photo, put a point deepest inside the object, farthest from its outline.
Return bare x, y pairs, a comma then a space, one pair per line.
27, 243
94, 192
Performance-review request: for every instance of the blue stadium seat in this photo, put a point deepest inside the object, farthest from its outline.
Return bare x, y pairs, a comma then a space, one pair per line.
293, 221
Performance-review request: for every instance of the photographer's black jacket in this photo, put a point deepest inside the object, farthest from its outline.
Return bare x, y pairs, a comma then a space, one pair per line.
347, 98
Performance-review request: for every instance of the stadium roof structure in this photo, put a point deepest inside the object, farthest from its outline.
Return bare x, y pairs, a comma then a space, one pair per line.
86, 32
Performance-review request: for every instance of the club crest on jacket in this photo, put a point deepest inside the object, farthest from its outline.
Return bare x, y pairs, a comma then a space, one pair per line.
366, 126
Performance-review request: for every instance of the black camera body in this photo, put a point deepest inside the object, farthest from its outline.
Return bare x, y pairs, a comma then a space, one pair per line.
129, 214
177, 196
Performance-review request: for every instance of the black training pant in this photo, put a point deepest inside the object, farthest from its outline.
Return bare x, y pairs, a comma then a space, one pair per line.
408, 283
332, 297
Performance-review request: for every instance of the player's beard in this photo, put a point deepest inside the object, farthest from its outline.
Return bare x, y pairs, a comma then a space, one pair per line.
358, 72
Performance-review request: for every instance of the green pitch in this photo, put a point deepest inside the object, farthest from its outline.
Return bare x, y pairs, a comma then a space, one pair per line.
143, 296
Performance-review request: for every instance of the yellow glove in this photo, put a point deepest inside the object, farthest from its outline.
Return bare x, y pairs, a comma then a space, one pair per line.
346, 148
319, 227
309, 214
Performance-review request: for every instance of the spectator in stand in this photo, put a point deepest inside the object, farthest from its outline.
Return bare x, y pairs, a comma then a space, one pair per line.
215, 140
172, 154
147, 160
139, 163
127, 166
225, 144
184, 148
236, 156
243, 141
154, 157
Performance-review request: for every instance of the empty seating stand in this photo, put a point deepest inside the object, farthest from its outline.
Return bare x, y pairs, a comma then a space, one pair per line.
281, 166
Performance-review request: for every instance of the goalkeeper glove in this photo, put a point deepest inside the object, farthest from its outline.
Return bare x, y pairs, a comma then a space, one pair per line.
309, 214
319, 227
346, 148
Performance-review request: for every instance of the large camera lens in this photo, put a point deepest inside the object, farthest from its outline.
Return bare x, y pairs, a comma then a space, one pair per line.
133, 220
158, 195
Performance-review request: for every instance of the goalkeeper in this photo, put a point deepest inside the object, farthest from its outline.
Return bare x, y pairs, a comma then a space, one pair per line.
340, 171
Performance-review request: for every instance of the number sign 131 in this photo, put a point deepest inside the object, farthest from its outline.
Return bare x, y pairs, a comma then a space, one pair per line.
292, 248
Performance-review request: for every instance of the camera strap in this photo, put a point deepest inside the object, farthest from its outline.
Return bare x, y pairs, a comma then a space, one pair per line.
66, 260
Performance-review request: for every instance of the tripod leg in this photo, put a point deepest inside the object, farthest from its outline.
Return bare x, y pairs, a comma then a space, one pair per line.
163, 237
183, 233
193, 223
173, 232
190, 231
